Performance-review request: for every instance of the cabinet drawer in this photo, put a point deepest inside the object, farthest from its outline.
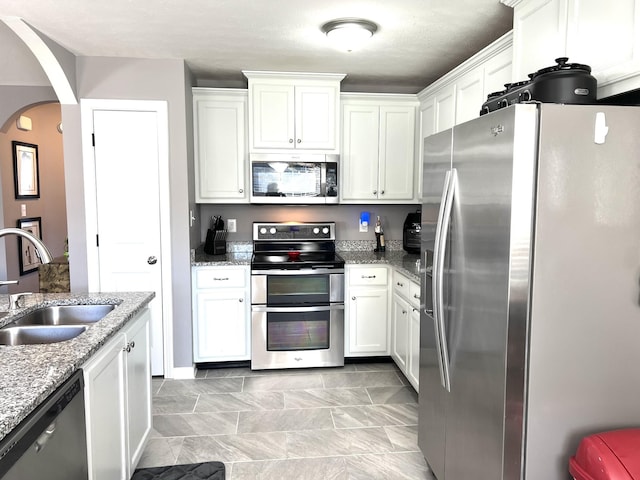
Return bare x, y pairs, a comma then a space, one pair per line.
401, 285
220, 278
368, 276
414, 294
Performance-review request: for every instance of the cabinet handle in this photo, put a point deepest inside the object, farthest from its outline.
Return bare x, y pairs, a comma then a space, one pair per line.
133, 344
299, 141
400, 284
220, 279
416, 296
241, 300
368, 276
414, 309
353, 298
404, 312
291, 140
241, 191
382, 192
375, 192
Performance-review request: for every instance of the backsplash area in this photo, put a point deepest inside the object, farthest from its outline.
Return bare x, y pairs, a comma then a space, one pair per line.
346, 218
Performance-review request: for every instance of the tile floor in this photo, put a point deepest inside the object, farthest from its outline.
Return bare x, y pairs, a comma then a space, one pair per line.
354, 422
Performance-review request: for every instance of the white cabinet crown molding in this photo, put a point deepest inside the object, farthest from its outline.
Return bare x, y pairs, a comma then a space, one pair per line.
511, 3
294, 76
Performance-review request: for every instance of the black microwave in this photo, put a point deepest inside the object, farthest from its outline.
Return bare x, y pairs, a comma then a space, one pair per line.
294, 178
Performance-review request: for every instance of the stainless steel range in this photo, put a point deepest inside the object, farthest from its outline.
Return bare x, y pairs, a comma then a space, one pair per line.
297, 296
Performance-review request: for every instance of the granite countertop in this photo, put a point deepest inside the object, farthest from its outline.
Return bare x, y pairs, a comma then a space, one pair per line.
30, 373
362, 254
404, 262
201, 259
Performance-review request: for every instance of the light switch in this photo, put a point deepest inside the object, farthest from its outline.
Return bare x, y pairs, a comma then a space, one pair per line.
231, 225
23, 210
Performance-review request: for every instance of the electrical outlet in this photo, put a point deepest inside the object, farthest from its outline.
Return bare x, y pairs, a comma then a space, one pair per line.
231, 225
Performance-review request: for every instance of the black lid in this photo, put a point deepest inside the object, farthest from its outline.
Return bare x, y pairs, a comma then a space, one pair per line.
562, 65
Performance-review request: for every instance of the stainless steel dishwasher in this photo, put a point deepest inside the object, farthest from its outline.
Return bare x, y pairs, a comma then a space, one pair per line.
51, 442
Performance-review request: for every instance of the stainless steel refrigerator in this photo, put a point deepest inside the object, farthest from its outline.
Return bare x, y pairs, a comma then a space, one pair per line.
530, 328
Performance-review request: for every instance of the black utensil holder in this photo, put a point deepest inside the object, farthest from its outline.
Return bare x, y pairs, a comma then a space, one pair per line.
220, 242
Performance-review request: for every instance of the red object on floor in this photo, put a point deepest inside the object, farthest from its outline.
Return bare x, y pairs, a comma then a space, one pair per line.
613, 455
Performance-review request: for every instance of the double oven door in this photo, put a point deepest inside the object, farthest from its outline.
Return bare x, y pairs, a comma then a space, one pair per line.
297, 318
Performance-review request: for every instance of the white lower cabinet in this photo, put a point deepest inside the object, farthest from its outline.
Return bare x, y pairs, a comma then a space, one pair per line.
366, 311
405, 322
221, 314
118, 402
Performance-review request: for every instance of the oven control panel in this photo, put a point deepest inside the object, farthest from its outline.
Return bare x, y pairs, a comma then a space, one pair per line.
294, 231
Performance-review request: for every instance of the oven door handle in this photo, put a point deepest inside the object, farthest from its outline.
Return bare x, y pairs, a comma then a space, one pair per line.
319, 308
302, 271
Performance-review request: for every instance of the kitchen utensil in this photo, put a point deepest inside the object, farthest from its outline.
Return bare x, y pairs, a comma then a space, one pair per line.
564, 82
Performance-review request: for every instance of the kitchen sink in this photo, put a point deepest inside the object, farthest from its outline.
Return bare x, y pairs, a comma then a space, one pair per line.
38, 334
64, 315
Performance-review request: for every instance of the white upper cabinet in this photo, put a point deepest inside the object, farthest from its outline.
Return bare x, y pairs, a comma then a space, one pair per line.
605, 36
378, 148
294, 111
458, 96
539, 36
221, 159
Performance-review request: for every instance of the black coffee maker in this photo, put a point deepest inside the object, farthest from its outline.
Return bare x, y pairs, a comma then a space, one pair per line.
411, 232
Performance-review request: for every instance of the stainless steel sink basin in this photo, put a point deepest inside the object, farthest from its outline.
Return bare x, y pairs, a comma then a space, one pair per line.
38, 334
65, 315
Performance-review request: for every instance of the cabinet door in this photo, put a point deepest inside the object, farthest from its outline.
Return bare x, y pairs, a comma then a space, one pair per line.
427, 128
614, 51
539, 36
272, 116
138, 381
106, 412
221, 330
400, 332
445, 105
316, 109
367, 318
469, 95
396, 152
413, 370
360, 152
497, 72
221, 159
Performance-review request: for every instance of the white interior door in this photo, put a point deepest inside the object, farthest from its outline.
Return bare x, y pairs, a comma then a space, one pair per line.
128, 210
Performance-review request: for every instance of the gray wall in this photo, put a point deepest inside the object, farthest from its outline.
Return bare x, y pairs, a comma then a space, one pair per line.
50, 207
346, 218
138, 79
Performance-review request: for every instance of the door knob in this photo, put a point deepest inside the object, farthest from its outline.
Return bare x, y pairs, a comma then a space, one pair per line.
152, 260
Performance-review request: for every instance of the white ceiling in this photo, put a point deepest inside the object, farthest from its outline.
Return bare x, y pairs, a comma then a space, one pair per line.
417, 40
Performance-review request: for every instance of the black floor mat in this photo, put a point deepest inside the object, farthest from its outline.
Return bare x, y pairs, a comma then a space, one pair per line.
192, 471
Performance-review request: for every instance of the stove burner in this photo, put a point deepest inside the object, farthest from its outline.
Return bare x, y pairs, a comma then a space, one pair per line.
292, 245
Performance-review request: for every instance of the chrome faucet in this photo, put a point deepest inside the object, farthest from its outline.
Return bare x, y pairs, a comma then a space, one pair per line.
41, 248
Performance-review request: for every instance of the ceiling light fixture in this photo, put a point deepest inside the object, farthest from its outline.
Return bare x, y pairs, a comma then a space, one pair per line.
349, 33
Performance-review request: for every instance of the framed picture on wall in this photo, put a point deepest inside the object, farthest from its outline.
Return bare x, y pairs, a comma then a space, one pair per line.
26, 175
29, 258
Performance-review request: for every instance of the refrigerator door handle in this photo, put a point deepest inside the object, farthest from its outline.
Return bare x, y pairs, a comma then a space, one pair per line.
439, 280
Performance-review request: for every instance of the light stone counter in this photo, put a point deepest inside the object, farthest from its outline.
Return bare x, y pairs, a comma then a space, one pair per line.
30, 373
404, 262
